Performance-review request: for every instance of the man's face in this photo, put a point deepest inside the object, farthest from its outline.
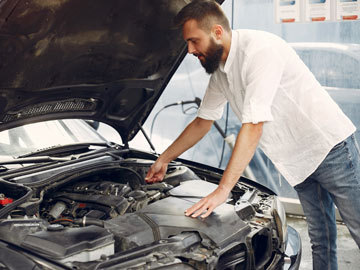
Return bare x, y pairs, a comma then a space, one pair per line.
203, 46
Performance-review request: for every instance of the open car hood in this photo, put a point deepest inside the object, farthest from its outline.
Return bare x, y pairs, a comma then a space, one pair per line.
108, 61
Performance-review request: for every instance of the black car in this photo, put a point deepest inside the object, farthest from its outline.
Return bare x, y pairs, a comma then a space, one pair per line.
70, 199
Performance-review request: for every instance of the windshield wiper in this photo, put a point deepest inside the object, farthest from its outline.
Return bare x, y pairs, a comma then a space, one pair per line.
34, 160
60, 149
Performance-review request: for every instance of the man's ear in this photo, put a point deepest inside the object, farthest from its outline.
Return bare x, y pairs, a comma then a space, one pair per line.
217, 31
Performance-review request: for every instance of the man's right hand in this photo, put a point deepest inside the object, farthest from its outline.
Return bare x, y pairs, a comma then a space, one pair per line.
191, 135
156, 172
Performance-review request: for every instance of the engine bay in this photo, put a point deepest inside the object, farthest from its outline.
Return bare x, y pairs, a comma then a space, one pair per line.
87, 214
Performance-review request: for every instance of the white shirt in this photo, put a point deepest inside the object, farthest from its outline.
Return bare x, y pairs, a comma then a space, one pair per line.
264, 80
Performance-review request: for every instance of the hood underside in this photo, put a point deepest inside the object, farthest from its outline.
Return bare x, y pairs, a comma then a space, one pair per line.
107, 61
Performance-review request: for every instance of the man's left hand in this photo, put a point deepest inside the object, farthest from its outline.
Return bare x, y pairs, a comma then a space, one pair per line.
207, 204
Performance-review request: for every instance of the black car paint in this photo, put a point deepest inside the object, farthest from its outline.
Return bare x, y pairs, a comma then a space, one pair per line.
109, 62
106, 61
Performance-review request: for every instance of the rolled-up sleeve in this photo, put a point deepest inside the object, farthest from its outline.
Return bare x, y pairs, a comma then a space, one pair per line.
264, 71
212, 105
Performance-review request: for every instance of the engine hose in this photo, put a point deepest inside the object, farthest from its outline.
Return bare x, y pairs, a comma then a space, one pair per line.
85, 221
138, 176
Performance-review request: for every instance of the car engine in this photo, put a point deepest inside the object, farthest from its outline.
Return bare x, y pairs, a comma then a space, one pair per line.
88, 214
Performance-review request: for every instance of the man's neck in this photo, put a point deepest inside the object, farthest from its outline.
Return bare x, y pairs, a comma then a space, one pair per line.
227, 45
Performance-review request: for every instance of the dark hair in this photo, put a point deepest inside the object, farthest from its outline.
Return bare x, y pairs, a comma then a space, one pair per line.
205, 12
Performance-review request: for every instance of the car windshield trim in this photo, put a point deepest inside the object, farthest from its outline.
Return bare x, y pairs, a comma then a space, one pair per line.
57, 149
34, 160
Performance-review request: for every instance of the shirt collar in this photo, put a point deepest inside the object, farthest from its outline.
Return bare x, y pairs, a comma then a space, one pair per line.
232, 52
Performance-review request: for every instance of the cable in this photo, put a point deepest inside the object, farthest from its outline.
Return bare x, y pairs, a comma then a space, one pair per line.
232, 14
196, 101
227, 105
153, 121
226, 126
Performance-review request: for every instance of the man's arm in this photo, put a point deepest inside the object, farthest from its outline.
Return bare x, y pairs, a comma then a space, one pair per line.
244, 149
190, 136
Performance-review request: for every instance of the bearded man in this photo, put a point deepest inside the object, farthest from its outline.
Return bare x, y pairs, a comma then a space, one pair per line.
284, 111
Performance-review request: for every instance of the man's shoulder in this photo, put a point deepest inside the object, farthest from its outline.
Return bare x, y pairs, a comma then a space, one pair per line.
255, 33
256, 36
250, 42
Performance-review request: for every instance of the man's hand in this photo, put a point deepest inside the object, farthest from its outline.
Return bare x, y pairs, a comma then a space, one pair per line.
191, 135
156, 172
245, 146
207, 204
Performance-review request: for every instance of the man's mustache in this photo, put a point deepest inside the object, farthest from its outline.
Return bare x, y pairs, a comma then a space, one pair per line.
198, 54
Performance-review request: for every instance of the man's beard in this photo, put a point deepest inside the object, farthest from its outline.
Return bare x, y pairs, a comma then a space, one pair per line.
213, 57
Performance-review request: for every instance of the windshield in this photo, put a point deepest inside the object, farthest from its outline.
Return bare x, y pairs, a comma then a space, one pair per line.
33, 137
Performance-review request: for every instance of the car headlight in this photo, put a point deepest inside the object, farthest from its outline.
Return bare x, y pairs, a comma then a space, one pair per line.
279, 215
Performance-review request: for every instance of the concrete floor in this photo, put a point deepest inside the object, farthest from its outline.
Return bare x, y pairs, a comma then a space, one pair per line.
348, 251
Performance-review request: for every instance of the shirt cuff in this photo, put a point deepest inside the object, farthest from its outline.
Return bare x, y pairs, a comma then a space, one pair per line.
210, 114
256, 114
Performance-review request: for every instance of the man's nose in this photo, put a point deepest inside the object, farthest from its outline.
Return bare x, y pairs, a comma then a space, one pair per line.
191, 48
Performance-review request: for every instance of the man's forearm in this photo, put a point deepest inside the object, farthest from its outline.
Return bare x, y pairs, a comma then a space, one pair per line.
244, 149
193, 133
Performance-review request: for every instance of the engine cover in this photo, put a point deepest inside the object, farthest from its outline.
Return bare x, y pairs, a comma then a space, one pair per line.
166, 218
